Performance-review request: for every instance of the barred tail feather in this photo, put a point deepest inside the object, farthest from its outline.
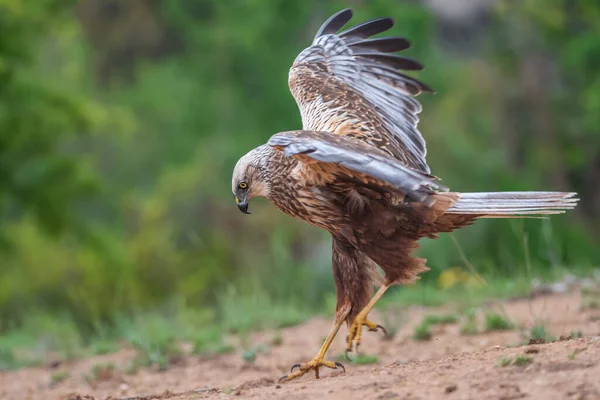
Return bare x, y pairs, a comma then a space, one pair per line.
513, 204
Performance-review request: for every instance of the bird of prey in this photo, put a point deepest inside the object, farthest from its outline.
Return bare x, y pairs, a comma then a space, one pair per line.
357, 169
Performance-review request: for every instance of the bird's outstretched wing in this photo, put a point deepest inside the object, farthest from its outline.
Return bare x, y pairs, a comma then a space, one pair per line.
326, 158
349, 84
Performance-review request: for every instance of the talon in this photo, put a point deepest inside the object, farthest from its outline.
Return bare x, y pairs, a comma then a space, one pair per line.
382, 328
356, 348
294, 366
283, 378
346, 354
340, 365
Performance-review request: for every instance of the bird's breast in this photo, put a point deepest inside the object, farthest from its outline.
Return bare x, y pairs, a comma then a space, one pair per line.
317, 206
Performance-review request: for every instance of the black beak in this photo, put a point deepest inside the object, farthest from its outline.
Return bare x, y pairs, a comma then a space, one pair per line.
243, 206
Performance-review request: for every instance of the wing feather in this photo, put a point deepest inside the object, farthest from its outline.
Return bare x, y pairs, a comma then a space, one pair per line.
335, 23
326, 158
386, 45
349, 83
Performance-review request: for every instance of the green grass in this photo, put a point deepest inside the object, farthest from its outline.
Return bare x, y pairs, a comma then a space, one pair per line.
358, 359
469, 325
497, 322
422, 332
59, 376
104, 346
539, 332
252, 353
257, 312
428, 294
576, 334
519, 361
101, 372
157, 335
277, 340
522, 360
590, 301
504, 361
440, 319
363, 359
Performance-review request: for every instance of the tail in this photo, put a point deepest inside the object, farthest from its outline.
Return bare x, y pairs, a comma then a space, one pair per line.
513, 204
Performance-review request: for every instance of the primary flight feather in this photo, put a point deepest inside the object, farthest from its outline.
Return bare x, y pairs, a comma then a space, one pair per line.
358, 169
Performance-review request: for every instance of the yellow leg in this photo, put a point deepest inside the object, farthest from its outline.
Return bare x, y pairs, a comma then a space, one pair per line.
318, 360
355, 331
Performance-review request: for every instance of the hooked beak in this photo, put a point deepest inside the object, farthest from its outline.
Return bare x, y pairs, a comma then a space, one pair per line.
243, 205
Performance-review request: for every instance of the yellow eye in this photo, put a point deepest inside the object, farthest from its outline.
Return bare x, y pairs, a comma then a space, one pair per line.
243, 185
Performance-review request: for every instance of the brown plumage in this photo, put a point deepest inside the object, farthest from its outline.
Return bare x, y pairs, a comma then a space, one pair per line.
357, 169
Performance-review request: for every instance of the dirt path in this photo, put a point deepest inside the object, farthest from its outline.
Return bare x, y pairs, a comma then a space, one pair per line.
450, 365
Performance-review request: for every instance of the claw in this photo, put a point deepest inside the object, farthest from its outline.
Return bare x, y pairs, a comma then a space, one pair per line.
346, 354
382, 328
315, 364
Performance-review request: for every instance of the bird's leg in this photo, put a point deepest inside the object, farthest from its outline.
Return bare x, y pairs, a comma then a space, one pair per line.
318, 360
355, 330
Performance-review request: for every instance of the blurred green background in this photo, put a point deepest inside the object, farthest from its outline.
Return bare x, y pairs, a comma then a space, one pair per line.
121, 121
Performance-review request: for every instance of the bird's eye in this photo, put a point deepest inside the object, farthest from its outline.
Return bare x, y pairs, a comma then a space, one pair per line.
243, 185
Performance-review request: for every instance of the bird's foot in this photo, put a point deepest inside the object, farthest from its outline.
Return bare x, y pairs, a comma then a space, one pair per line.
355, 332
315, 364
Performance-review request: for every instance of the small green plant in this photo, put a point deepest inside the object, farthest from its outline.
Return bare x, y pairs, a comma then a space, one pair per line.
363, 359
224, 348
358, 359
277, 340
7, 359
208, 341
104, 346
576, 334
249, 356
102, 372
469, 325
497, 322
155, 344
422, 332
522, 360
504, 361
590, 302
574, 353
539, 333
440, 319
59, 376
518, 361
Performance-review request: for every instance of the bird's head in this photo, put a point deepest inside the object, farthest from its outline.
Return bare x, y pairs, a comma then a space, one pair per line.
250, 178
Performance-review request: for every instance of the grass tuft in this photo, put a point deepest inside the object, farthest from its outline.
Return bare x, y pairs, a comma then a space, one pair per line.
422, 332
440, 319
504, 361
358, 359
522, 360
469, 325
59, 376
539, 333
497, 322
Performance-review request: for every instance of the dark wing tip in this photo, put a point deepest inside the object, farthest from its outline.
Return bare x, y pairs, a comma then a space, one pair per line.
335, 22
369, 28
385, 44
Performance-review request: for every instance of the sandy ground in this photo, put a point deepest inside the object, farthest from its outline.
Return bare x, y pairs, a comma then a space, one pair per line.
450, 365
